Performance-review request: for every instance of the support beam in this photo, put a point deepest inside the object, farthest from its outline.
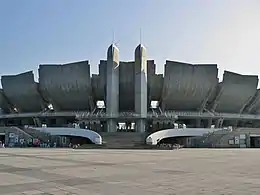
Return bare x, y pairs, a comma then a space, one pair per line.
246, 103
254, 102
204, 102
91, 103
216, 101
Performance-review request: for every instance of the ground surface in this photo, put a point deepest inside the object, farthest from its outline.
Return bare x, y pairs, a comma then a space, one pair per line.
114, 172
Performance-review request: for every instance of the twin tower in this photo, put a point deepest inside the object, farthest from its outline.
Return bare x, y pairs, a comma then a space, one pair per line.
112, 88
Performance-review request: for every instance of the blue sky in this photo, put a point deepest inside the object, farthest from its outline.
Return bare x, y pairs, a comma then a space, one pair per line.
226, 32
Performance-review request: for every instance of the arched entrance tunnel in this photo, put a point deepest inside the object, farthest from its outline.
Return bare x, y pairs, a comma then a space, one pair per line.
182, 140
78, 140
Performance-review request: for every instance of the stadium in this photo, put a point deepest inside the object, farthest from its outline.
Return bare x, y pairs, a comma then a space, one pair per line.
129, 100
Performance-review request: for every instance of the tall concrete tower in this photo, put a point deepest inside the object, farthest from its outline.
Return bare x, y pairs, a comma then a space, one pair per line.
141, 87
112, 87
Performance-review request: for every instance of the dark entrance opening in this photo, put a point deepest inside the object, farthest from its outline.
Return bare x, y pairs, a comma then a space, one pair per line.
79, 140
182, 140
255, 142
2, 138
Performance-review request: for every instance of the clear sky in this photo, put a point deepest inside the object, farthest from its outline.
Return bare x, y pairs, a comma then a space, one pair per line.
226, 32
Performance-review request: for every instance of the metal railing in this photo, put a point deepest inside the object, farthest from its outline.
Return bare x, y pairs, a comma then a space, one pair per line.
151, 114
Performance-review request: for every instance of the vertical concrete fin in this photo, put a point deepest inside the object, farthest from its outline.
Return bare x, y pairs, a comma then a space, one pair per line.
112, 87
141, 86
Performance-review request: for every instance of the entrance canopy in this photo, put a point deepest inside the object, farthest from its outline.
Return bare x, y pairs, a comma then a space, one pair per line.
153, 138
66, 131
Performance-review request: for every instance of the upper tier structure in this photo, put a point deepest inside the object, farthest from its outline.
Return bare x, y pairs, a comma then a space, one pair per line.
22, 92
184, 87
235, 92
187, 86
67, 87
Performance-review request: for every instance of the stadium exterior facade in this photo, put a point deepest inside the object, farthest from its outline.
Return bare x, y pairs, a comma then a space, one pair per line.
186, 93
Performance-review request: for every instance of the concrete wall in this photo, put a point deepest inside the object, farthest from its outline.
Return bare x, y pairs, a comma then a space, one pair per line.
99, 82
155, 86
126, 86
22, 92
186, 86
97, 92
3, 103
224, 141
240, 88
67, 87
155, 82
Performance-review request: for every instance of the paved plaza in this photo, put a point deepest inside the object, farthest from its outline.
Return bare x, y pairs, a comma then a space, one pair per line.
140, 172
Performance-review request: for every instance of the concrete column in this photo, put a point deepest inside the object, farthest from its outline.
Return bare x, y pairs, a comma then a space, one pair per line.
165, 125
161, 125
88, 125
97, 127
111, 125
141, 125
154, 125
2, 122
210, 123
92, 126
248, 141
198, 123
234, 123
141, 87
217, 123
112, 87
221, 123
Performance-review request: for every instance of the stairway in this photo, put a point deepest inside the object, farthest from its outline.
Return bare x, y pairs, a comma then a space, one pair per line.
17, 131
124, 140
42, 136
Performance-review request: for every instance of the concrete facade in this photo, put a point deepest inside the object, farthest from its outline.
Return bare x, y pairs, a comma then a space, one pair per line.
188, 93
